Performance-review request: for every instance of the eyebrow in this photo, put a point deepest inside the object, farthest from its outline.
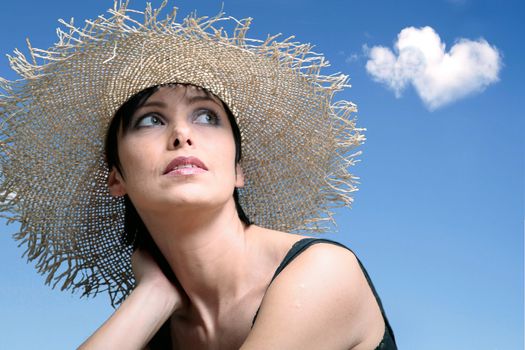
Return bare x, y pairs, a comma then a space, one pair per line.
126, 122
153, 104
190, 100
198, 98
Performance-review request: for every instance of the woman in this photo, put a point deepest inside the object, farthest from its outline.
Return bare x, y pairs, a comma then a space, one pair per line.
178, 187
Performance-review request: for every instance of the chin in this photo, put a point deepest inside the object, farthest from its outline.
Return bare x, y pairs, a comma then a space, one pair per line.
194, 199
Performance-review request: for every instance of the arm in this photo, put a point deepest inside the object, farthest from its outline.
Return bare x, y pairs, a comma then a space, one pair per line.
141, 315
320, 301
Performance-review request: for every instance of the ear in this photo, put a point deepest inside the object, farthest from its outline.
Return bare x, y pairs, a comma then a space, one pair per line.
239, 176
116, 183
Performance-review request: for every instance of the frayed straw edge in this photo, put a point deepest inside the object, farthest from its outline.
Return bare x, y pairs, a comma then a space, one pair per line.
121, 22
300, 57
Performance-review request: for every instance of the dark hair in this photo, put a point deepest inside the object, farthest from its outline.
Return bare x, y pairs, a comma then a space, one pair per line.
135, 232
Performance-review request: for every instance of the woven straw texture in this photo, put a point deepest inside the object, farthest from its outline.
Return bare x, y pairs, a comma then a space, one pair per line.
297, 142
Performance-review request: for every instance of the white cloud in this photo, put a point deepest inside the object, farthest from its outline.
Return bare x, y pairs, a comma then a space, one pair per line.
439, 77
352, 58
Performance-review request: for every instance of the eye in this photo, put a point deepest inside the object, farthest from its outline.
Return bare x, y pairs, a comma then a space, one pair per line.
205, 117
149, 120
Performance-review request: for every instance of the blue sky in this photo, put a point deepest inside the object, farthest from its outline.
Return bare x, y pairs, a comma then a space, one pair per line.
439, 217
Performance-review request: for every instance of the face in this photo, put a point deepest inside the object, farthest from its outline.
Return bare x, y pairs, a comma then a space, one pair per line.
178, 152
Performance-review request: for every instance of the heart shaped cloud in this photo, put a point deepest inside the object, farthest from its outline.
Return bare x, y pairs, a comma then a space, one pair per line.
439, 77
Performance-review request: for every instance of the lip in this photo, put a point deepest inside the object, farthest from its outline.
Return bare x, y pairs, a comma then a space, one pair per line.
193, 166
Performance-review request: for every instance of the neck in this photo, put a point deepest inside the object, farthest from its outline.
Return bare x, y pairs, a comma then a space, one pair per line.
207, 251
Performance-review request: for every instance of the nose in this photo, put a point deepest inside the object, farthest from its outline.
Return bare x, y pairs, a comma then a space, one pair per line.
180, 136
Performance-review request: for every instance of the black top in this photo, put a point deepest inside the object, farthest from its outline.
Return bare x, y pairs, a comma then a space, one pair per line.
388, 342
162, 340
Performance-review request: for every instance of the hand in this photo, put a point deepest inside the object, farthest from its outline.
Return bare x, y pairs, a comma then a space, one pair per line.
141, 315
148, 273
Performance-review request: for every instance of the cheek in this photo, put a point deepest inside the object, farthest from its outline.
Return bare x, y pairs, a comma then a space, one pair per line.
219, 150
224, 148
139, 156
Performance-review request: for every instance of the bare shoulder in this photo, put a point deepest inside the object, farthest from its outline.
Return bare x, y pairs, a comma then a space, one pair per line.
320, 300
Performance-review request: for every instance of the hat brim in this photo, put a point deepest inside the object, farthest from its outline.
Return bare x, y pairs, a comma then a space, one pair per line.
297, 141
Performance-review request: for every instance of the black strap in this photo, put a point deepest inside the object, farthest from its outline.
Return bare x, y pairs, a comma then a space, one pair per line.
303, 244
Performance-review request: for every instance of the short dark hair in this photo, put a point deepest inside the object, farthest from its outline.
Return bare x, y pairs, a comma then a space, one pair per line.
135, 232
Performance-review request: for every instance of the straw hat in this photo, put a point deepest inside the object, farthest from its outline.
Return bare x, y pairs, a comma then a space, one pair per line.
297, 142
